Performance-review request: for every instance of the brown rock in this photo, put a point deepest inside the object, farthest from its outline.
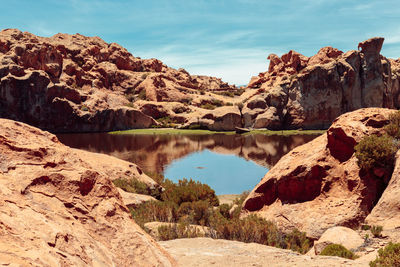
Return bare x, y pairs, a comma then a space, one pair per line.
59, 206
316, 90
344, 236
74, 83
319, 185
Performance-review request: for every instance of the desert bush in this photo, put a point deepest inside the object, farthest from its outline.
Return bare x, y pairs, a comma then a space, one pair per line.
376, 152
188, 191
150, 211
181, 230
132, 186
298, 241
224, 210
387, 257
208, 106
365, 227
157, 177
376, 230
197, 212
142, 94
337, 250
393, 128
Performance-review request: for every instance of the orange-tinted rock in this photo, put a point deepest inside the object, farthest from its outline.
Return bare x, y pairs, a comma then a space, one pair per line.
76, 83
319, 185
318, 89
60, 208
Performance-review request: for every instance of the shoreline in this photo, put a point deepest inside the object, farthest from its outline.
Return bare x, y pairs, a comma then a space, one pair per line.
174, 131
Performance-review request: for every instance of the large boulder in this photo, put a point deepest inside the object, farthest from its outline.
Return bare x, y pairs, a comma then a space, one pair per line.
344, 236
59, 206
314, 91
319, 185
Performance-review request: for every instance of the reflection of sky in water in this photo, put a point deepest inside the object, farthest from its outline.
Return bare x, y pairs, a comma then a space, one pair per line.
226, 174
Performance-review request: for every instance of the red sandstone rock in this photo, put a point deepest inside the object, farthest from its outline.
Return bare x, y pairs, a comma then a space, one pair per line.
319, 185
58, 206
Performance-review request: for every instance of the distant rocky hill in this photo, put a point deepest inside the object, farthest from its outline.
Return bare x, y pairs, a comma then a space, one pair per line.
78, 83
74, 83
302, 92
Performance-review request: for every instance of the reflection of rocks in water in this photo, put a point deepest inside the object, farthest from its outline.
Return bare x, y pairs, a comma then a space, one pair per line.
154, 152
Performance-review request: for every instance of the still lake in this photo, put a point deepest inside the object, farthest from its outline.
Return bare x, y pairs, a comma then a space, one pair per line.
230, 164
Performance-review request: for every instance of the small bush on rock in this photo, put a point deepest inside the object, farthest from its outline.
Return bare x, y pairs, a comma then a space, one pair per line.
376, 152
337, 250
387, 257
376, 230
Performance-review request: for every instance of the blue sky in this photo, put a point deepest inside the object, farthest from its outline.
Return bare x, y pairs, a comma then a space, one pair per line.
230, 39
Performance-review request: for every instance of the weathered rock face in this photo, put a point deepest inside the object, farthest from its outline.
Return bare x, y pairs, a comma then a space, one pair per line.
319, 185
313, 91
74, 83
58, 206
386, 212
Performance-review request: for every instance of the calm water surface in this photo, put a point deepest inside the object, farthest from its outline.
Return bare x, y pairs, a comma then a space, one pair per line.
230, 164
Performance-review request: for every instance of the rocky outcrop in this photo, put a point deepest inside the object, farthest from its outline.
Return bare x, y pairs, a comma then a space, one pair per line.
58, 206
74, 83
309, 93
319, 185
386, 212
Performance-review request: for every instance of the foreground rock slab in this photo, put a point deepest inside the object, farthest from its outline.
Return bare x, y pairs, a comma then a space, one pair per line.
58, 206
201, 252
319, 185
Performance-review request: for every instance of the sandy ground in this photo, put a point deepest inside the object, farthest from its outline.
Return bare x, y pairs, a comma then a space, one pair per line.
217, 252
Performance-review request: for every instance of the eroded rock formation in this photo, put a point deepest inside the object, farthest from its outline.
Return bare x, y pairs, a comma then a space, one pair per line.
74, 83
302, 92
319, 184
58, 206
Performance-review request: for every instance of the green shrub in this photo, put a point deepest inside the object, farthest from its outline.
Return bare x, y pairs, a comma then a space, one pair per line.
393, 128
188, 191
337, 250
376, 230
84, 108
157, 177
180, 230
208, 106
365, 227
135, 186
150, 211
224, 210
142, 94
376, 152
387, 257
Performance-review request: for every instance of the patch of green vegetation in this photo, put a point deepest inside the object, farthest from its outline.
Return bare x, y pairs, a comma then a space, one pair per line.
339, 251
165, 122
84, 108
189, 202
181, 230
196, 129
387, 257
169, 131
142, 94
286, 132
376, 152
135, 186
376, 230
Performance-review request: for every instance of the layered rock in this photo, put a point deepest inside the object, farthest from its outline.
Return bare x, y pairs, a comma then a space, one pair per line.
74, 83
60, 208
319, 184
302, 92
